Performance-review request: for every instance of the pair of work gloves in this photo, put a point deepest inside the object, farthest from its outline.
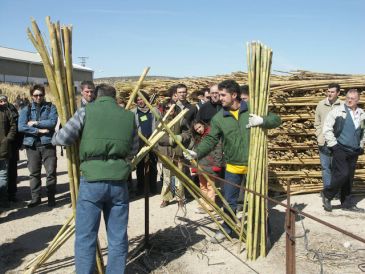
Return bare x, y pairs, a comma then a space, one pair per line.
253, 121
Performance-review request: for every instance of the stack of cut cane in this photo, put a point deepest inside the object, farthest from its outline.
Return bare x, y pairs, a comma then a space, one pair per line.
58, 67
254, 217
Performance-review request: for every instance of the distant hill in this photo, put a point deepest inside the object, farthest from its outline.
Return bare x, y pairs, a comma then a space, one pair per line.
131, 78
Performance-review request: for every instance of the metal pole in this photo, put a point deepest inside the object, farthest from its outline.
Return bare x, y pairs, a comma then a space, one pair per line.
146, 200
290, 236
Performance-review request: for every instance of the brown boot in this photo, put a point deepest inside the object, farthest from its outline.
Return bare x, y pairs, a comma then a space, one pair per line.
164, 204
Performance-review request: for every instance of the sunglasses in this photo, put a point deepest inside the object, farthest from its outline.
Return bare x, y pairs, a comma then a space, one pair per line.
38, 95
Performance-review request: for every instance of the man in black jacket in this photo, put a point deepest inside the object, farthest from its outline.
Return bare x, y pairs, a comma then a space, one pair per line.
209, 109
7, 134
182, 103
14, 147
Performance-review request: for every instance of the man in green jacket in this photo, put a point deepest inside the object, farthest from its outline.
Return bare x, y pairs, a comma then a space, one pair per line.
108, 143
232, 125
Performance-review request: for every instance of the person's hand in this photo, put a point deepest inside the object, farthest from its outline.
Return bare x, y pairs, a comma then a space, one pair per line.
254, 121
190, 155
32, 123
43, 131
333, 148
172, 141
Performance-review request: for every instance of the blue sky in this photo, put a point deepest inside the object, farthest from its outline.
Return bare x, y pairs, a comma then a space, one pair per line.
198, 38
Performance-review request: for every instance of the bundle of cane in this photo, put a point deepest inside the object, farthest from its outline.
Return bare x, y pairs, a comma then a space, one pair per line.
254, 220
230, 219
58, 67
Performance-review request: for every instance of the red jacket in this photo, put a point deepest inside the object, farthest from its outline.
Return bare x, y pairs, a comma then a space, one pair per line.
213, 162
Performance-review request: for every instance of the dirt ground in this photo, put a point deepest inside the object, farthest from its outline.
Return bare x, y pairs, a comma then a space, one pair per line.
179, 243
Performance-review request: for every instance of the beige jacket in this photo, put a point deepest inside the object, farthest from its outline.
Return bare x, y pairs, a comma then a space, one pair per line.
323, 108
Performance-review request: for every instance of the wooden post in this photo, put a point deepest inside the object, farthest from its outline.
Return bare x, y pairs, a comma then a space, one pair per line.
290, 236
146, 200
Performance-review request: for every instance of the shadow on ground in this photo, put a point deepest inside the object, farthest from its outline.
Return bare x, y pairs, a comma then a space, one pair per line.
12, 254
19, 209
165, 245
277, 220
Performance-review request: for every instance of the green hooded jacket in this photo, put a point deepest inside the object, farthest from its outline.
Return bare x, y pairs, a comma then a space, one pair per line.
234, 134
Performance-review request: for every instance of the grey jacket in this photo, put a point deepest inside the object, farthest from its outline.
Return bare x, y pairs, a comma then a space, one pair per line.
154, 121
329, 125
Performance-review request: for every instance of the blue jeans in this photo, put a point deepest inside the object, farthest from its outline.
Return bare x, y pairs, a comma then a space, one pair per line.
111, 198
3, 174
3, 181
231, 192
326, 160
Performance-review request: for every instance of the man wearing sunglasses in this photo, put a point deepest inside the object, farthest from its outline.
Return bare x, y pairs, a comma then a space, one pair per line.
38, 121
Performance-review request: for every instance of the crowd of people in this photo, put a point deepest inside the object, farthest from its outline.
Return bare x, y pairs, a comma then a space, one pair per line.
216, 132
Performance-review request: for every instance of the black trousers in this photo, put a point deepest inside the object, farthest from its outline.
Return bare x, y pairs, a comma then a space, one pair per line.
36, 156
12, 176
342, 175
152, 162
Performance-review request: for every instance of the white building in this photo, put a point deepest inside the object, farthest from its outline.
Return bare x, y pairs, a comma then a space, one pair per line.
23, 67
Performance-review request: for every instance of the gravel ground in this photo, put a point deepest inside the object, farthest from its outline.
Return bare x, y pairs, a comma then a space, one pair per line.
179, 241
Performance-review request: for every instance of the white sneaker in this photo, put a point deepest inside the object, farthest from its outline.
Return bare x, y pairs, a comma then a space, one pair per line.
218, 238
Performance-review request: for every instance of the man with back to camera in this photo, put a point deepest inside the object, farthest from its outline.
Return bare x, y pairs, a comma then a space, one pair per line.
322, 110
231, 125
109, 140
343, 131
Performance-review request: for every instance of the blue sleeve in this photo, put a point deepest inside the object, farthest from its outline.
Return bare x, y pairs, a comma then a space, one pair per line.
51, 122
23, 123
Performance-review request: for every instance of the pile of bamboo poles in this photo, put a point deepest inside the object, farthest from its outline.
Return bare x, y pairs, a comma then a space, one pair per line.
294, 98
293, 146
58, 68
230, 219
254, 217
